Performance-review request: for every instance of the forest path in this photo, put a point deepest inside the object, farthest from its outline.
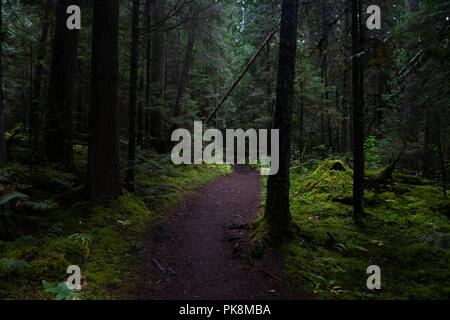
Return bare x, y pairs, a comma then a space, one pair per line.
196, 257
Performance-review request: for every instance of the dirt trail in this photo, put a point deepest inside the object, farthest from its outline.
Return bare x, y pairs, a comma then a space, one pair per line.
196, 257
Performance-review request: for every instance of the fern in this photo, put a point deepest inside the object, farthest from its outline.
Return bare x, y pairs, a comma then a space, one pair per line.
62, 181
8, 197
40, 205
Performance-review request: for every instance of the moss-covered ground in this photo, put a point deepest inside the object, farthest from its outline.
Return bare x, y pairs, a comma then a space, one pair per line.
406, 233
103, 240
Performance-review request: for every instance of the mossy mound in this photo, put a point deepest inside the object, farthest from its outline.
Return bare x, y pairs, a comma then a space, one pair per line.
330, 177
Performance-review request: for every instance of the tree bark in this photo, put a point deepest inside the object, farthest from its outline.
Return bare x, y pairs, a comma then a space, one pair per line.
37, 83
148, 72
103, 155
346, 83
301, 121
3, 154
186, 68
131, 172
412, 6
157, 76
58, 138
358, 116
277, 212
345, 111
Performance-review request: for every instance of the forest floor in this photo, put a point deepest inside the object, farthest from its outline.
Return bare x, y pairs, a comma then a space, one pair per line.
192, 232
204, 252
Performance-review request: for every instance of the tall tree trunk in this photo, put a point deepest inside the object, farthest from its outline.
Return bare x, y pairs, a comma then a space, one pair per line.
131, 172
58, 143
410, 136
157, 76
103, 154
346, 83
277, 212
345, 111
358, 117
186, 68
140, 114
441, 156
148, 73
37, 83
3, 155
324, 67
301, 121
337, 145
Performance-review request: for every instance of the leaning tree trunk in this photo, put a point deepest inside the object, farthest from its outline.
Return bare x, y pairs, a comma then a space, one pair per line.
358, 117
3, 156
131, 172
103, 154
58, 144
277, 212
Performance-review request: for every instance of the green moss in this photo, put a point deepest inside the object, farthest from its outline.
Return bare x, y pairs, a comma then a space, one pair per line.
108, 260
406, 233
330, 177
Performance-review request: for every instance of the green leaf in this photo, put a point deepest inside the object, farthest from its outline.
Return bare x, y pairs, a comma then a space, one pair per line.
46, 285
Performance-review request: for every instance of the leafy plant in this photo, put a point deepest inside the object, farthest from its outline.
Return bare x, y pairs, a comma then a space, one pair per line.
373, 158
13, 199
84, 239
62, 291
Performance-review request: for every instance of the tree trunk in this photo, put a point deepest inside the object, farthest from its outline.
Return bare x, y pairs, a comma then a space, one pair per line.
58, 143
37, 83
277, 212
301, 121
441, 156
186, 68
157, 76
103, 155
148, 74
337, 144
131, 172
346, 83
140, 114
358, 116
3, 155
324, 69
345, 111
412, 6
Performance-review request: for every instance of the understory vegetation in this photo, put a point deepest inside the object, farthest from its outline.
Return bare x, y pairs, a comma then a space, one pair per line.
405, 232
61, 229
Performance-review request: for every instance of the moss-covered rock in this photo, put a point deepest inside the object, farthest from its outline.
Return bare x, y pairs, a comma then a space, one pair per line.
330, 177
